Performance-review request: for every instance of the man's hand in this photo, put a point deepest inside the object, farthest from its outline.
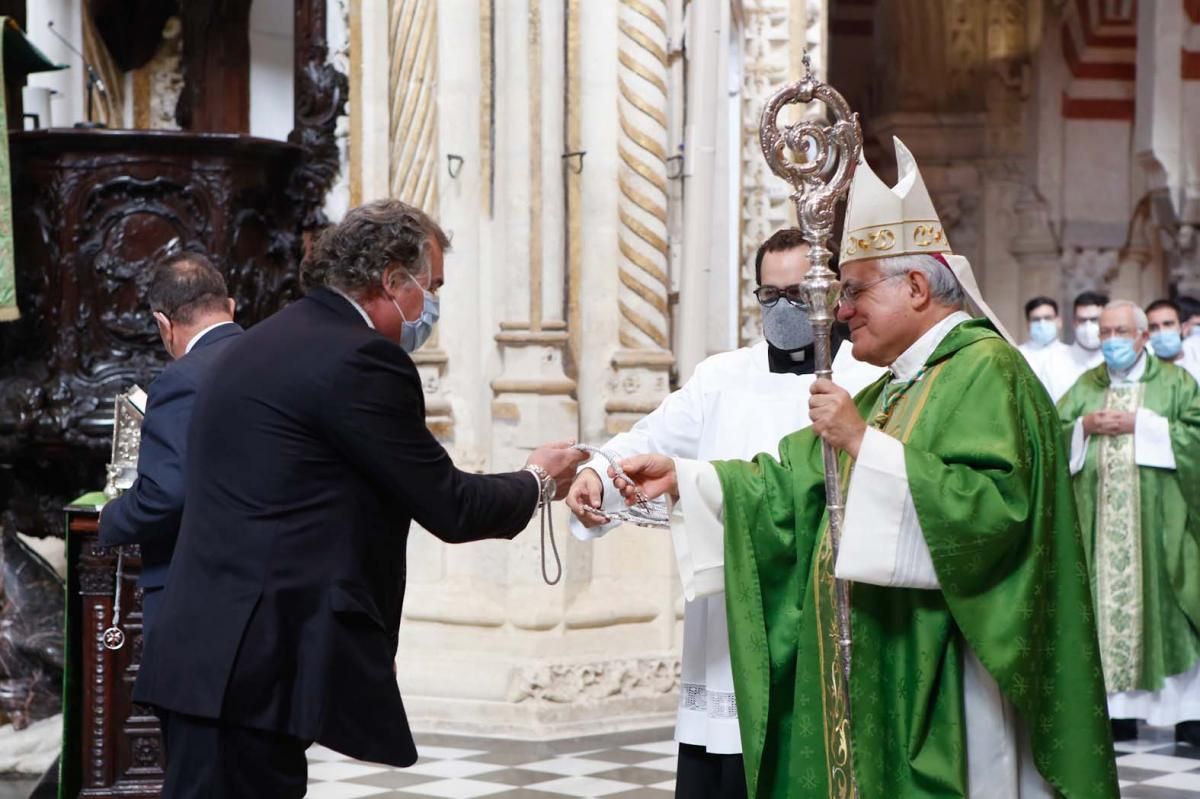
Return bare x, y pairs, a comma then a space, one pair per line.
587, 490
560, 460
654, 474
835, 418
1109, 423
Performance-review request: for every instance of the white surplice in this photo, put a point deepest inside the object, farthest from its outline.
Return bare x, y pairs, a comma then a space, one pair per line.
732, 407
882, 544
1189, 361
1059, 365
1179, 698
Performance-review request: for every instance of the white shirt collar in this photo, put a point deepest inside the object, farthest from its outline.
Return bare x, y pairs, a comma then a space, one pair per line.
200, 335
1135, 372
361, 311
912, 359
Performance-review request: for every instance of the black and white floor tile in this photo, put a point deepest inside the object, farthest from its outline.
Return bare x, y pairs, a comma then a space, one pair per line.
638, 765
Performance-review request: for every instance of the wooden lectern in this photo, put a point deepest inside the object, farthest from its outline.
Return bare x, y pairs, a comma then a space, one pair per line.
118, 745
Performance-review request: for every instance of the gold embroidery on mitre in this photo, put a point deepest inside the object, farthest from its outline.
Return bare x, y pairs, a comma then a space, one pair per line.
880, 240
928, 235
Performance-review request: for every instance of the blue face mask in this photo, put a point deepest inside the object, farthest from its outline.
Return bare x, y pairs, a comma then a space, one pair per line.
1043, 331
1166, 343
1119, 353
415, 333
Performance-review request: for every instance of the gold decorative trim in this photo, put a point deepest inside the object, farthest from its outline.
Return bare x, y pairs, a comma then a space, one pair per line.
645, 203
652, 174
895, 238
646, 294
643, 263
880, 240
643, 324
642, 82
644, 233
928, 235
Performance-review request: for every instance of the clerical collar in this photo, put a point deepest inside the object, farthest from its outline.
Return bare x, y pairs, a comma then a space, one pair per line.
1131, 375
912, 359
796, 362
361, 310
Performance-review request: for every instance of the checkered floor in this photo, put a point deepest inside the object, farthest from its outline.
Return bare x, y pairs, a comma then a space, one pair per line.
639, 765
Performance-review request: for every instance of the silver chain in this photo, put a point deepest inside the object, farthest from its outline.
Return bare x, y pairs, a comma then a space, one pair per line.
645, 513
114, 637
547, 488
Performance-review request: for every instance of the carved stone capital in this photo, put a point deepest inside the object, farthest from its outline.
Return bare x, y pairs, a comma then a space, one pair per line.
565, 683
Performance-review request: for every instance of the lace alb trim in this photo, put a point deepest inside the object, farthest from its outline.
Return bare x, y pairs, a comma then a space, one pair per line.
696, 698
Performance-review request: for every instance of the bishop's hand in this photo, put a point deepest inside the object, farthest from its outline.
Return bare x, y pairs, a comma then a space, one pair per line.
587, 490
835, 417
653, 474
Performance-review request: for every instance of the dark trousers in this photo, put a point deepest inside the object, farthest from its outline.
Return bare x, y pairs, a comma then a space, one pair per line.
213, 759
704, 775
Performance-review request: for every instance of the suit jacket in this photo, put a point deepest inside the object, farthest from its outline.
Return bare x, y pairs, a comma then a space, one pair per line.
148, 514
308, 458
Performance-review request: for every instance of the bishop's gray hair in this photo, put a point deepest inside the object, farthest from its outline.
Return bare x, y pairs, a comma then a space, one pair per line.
943, 285
1139, 316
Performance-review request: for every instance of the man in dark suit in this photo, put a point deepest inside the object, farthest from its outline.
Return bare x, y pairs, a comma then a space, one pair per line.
195, 319
308, 458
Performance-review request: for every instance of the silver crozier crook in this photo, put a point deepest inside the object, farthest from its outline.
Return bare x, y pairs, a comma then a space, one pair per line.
818, 161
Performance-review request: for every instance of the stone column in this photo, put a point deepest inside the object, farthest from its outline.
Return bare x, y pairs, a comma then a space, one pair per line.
486, 646
641, 368
414, 173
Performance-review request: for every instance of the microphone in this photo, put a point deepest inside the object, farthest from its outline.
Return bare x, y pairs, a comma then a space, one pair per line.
94, 79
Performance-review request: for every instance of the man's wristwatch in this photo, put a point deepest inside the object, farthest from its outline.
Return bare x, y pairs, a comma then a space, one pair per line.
547, 487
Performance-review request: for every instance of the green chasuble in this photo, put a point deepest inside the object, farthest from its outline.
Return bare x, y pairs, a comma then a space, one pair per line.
1141, 528
987, 470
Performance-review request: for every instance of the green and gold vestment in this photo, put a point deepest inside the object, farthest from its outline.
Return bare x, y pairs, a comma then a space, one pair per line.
1141, 527
987, 470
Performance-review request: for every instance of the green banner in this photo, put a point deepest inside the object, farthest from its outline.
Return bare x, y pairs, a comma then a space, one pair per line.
8, 286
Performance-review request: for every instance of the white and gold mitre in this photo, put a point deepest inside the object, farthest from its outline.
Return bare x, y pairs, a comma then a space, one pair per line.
883, 221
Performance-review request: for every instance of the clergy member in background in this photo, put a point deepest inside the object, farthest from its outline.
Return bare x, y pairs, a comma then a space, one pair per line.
735, 405
1166, 336
975, 665
194, 314
1045, 350
1134, 427
1189, 316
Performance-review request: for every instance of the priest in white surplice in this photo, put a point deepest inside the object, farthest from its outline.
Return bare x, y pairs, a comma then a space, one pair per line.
735, 405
